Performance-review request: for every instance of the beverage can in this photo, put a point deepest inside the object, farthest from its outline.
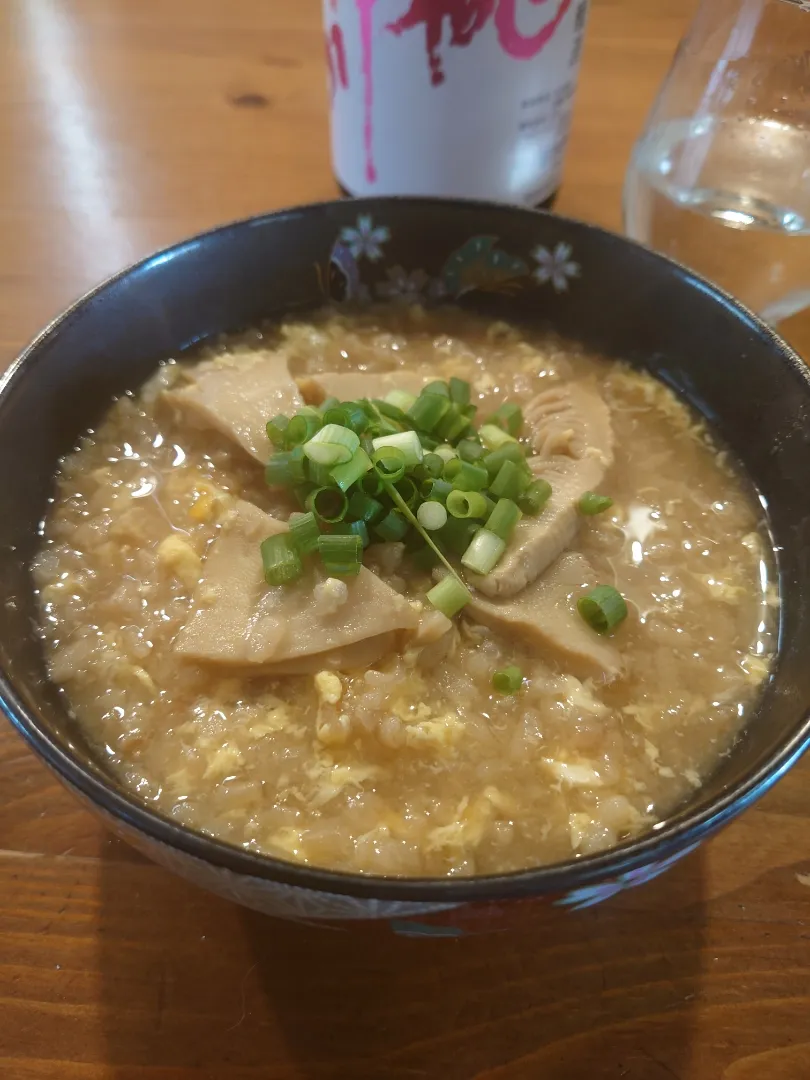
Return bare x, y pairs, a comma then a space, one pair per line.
452, 97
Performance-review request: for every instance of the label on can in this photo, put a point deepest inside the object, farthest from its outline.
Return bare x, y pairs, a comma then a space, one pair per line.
452, 97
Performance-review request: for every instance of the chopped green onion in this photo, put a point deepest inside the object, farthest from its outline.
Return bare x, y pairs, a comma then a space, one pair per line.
511, 451
437, 489
484, 552
384, 426
281, 562
504, 518
469, 477
410, 516
407, 489
452, 425
371, 483
433, 464
602, 608
285, 469
438, 386
319, 475
508, 416
347, 414
351, 528
301, 428
591, 503
332, 445
363, 507
470, 450
301, 491
393, 412
347, 474
535, 497
328, 403
428, 442
508, 680
511, 481
389, 463
400, 399
431, 515
341, 555
304, 532
459, 391
445, 452
407, 442
393, 526
466, 504
457, 534
449, 596
276, 429
427, 410
327, 504
492, 436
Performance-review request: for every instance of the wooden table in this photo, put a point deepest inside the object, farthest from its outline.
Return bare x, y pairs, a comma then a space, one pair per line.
125, 125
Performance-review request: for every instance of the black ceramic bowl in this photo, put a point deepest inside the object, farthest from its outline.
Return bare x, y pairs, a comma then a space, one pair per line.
613, 296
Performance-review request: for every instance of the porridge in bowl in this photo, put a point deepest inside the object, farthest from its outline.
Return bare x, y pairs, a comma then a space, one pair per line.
406, 593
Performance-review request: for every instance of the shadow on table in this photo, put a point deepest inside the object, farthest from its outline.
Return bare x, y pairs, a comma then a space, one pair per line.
196, 987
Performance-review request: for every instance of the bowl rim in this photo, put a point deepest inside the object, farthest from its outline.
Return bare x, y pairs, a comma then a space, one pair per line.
677, 834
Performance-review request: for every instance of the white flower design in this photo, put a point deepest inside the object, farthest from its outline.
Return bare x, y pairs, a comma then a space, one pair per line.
555, 266
410, 287
804, 5
365, 239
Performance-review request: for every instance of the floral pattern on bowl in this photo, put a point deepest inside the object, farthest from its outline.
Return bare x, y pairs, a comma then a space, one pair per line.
478, 265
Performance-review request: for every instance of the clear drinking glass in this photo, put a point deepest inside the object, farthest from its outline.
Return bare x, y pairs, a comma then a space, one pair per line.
720, 177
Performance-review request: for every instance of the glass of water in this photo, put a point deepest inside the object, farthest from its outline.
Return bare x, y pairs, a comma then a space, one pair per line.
720, 177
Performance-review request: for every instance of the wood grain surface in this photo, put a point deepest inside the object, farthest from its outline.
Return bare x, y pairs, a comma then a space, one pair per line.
125, 125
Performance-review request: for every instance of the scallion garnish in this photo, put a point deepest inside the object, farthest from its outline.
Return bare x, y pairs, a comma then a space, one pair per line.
332, 445
508, 680
431, 515
281, 562
401, 399
438, 386
389, 463
467, 477
466, 504
470, 450
459, 391
484, 552
304, 532
449, 596
302, 427
493, 460
602, 608
405, 468
504, 518
363, 507
492, 436
535, 497
509, 417
351, 528
392, 527
327, 504
510, 483
276, 429
427, 410
350, 472
591, 503
341, 555
407, 442
285, 469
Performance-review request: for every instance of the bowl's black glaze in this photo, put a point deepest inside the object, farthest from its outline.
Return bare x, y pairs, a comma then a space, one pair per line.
624, 301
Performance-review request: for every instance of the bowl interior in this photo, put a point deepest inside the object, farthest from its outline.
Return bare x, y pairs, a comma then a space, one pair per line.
583, 283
